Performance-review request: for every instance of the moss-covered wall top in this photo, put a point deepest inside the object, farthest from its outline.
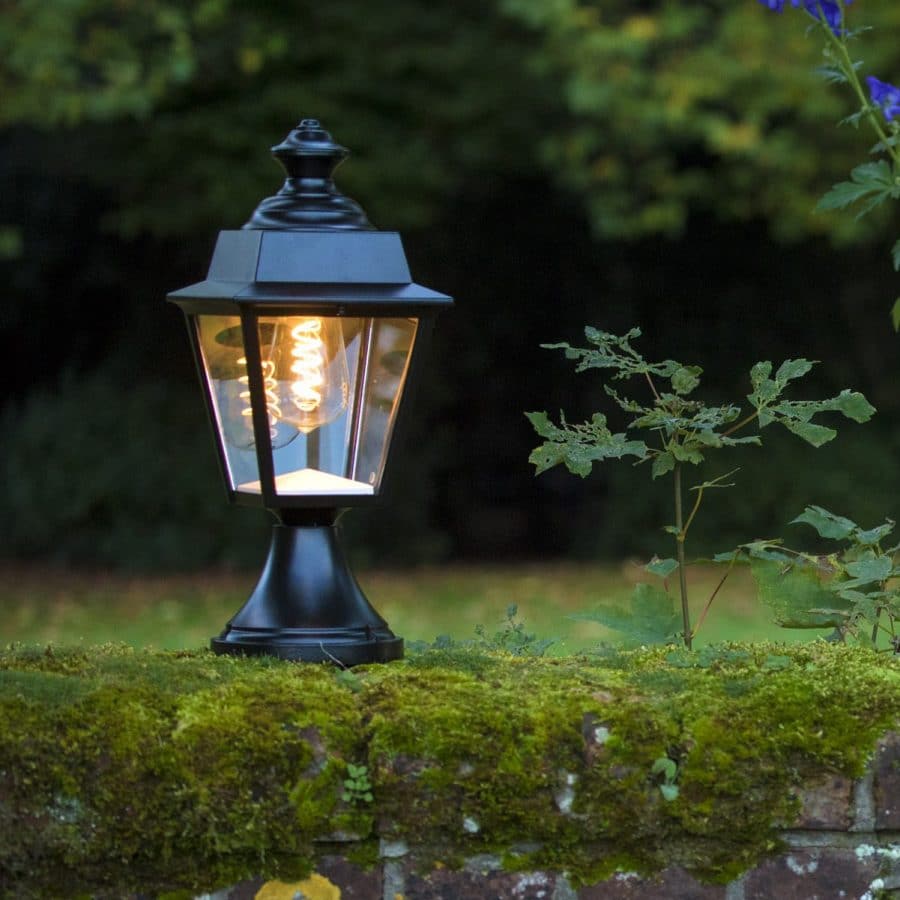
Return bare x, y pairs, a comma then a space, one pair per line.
179, 772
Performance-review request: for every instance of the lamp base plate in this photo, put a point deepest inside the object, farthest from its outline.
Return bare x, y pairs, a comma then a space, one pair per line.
309, 646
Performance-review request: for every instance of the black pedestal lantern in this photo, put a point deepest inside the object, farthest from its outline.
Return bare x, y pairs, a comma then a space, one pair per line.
307, 332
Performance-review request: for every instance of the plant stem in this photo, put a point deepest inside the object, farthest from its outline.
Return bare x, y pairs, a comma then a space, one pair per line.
679, 538
741, 424
712, 596
690, 518
846, 64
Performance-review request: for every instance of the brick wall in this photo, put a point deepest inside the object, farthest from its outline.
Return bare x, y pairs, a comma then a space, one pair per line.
844, 845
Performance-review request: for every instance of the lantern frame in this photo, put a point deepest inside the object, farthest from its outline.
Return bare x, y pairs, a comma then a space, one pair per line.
256, 274
308, 251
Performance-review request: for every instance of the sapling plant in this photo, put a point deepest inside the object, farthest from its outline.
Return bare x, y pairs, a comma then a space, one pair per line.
852, 589
681, 431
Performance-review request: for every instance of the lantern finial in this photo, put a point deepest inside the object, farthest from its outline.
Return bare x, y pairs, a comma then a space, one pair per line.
309, 199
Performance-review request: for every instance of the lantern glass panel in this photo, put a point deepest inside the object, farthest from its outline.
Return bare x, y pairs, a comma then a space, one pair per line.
387, 357
331, 387
221, 343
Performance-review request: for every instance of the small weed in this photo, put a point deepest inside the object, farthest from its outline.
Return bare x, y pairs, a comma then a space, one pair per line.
668, 769
357, 787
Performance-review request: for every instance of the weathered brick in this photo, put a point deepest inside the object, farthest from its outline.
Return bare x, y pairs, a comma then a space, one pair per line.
821, 874
670, 884
887, 782
826, 804
355, 883
471, 883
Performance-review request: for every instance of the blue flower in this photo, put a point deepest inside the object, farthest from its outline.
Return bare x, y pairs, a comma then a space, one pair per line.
885, 95
830, 9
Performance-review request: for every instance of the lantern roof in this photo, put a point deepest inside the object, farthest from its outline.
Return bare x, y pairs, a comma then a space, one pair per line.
311, 246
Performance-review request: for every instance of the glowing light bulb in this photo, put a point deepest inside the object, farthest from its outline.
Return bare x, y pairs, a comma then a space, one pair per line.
270, 390
234, 394
317, 378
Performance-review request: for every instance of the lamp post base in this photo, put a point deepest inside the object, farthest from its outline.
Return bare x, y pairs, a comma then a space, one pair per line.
307, 606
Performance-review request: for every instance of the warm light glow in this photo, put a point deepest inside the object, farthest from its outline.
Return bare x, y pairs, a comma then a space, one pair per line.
311, 481
270, 387
308, 364
230, 380
314, 379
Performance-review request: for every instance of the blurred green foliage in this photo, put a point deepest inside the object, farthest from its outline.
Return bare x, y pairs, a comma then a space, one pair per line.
649, 110
111, 473
677, 107
549, 163
172, 101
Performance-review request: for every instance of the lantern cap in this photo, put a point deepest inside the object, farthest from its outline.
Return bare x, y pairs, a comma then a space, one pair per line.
309, 199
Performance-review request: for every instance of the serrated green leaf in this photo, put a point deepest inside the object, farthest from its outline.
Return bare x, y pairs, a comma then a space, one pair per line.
661, 567
853, 596
579, 446
760, 373
874, 535
629, 405
895, 255
826, 523
795, 595
728, 557
874, 201
541, 423
615, 352
866, 571
577, 464
854, 118
708, 438
854, 406
686, 453
662, 463
817, 435
649, 619
766, 550
832, 74
766, 391
791, 369
686, 379
546, 457
873, 178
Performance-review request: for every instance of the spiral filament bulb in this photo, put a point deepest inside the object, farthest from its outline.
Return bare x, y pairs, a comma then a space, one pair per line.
270, 390
315, 378
308, 366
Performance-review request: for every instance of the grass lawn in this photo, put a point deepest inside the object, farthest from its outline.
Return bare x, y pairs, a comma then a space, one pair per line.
171, 612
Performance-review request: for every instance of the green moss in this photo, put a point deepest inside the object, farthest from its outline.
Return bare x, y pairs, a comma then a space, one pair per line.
163, 772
